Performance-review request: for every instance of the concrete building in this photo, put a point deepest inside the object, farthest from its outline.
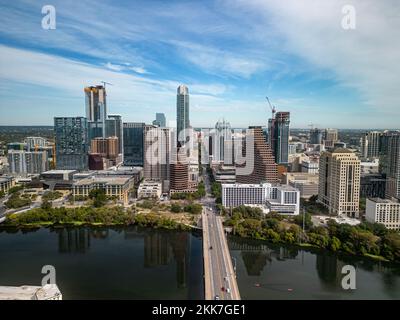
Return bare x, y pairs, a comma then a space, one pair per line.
6, 183
114, 128
310, 165
282, 198
370, 167
27, 162
384, 211
339, 182
179, 171
259, 161
182, 114
72, 144
118, 186
222, 150
34, 143
330, 137
370, 145
157, 155
306, 183
150, 189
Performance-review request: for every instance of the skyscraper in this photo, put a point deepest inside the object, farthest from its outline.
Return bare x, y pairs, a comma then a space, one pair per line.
330, 137
160, 120
223, 144
72, 144
114, 128
133, 142
315, 136
179, 170
96, 110
157, 155
393, 167
182, 114
370, 144
278, 137
264, 166
27, 162
339, 182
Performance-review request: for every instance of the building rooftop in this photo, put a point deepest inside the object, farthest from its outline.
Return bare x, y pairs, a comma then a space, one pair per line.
380, 200
47, 292
58, 171
107, 180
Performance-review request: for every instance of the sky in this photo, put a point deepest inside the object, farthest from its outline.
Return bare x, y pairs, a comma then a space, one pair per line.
230, 53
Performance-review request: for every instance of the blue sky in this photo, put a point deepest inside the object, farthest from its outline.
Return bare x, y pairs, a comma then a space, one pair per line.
230, 54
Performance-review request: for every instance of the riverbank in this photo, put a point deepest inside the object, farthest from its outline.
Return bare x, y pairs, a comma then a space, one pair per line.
96, 217
372, 241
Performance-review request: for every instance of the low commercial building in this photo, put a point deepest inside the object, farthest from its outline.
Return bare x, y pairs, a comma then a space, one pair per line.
150, 189
384, 211
283, 199
6, 183
306, 183
310, 165
117, 187
58, 179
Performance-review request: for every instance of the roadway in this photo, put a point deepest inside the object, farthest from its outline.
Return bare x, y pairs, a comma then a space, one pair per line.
220, 277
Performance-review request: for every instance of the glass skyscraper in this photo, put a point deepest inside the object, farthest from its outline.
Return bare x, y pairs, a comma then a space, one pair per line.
96, 110
278, 136
72, 144
133, 138
160, 120
114, 129
182, 114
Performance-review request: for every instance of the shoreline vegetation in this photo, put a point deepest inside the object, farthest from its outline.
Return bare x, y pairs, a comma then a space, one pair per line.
369, 240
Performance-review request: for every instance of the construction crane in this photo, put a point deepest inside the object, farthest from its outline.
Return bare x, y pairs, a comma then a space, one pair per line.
104, 84
273, 109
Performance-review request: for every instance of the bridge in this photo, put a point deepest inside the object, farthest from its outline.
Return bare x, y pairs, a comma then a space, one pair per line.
219, 273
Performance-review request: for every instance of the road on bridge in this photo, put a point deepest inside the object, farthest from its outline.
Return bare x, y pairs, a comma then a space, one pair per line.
220, 277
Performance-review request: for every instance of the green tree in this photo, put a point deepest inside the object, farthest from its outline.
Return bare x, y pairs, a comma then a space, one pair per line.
99, 197
176, 208
46, 205
335, 244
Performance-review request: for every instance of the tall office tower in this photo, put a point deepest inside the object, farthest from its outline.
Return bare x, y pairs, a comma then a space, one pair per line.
315, 136
160, 120
182, 114
370, 144
330, 137
35, 143
264, 166
27, 162
393, 167
223, 143
385, 137
114, 129
96, 110
72, 144
278, 137
108, 147
133, 139
157, 154
179, 170
339, 182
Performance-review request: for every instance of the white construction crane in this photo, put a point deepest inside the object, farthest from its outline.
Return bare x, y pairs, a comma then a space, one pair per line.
273, 109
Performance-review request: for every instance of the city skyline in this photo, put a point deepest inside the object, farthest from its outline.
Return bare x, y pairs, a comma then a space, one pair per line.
229, 67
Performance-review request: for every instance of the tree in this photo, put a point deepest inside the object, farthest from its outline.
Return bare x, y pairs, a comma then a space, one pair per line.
15, 189
99, 197
2, 194
176, 208
335, 244
46, 205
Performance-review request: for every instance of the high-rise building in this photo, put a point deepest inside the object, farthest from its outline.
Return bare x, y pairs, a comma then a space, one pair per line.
316, 136
160, 120
157, 155
261, 157
133, 139
278, 137
393, 167
370, 144
330, 137
339, 182
108, 147
27, 162
182, 114
179, 171
223, 143
34, 143
114, 128
96, 110
72, 144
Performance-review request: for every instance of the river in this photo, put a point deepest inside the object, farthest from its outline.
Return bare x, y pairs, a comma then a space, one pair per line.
143, 263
